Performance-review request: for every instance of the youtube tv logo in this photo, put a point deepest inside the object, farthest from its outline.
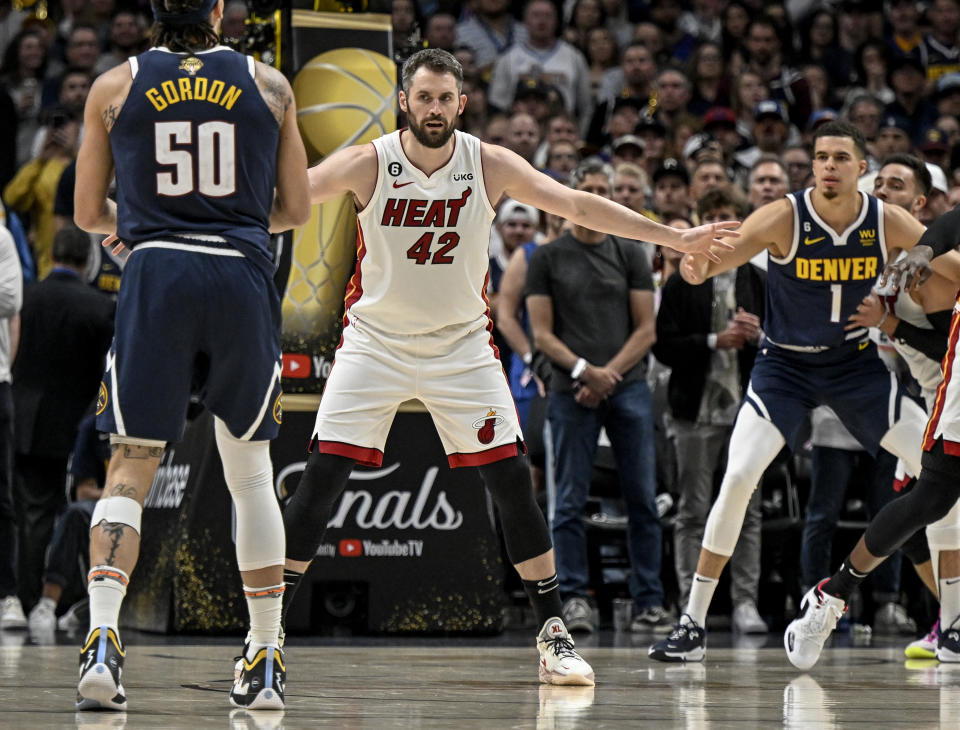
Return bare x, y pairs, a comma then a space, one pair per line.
351, 548
295, 366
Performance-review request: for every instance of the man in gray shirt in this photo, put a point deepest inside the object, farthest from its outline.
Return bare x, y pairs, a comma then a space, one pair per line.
590, 301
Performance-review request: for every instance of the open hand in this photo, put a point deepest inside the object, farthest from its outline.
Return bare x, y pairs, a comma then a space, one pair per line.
869, 313
908, 272
703, 239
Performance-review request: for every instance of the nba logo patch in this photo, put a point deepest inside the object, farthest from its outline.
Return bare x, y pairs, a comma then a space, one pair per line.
486, 426
102, 398
191, 64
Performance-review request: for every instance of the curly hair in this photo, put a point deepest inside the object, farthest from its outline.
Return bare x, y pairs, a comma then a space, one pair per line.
180, 38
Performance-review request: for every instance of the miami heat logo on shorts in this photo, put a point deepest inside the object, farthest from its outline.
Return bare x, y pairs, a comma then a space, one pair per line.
486, 426
278, 408
101, 399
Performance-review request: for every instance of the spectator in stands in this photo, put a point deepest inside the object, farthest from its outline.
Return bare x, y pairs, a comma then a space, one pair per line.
796, 159
893, 137
561, 126
708, 335
710, 174
126, 39
82, 50
707, 77
766, 58
584, 17
934, 147
21, 74
11, 298
904, 38
543, 55
871, 64
562, 159
654, 136
234, 23
626, 148
523, 135
597, 379
602, 58
673, 93
735, 19
940, 50
768, 181
771, 130
66, 565
516, 223
535, 98
497, 129
671, 190
748, 90
819, 43
937, 202
33, 188
441, 31
489, 32
908, 81
474, 117
65, 333
947, 96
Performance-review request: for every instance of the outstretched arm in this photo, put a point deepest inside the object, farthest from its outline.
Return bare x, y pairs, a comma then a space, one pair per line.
506, 172
914, 269
350, 170
770, 227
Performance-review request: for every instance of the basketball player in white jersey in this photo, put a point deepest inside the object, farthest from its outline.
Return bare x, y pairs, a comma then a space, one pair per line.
417, 324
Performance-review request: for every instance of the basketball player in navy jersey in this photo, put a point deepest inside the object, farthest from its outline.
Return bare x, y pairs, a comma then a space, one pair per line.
827, 245
417, 325
208, 159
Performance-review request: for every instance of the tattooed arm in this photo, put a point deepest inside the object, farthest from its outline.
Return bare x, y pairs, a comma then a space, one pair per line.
93, 211
291, 205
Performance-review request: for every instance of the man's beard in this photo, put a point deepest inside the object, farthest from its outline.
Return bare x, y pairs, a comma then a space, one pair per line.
428, 137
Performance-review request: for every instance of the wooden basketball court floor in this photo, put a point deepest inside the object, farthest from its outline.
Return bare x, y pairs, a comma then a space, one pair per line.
182, 682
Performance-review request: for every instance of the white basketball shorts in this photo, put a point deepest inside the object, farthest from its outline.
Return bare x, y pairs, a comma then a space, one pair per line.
453, 372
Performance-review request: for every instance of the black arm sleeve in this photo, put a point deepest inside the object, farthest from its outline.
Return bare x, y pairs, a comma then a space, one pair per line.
932, 343
943, 234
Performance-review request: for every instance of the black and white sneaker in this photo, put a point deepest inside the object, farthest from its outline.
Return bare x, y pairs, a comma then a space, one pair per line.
686, 643
101, 664
262, 679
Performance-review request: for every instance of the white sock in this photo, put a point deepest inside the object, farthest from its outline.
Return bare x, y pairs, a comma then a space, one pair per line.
106, 587
949, 601
46, 601
701, 593
265, 606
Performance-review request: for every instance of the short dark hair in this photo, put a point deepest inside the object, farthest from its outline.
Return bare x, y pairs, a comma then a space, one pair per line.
435, 59
71, 246
721, 198
920, 172
768, 158
591, 166
839, 128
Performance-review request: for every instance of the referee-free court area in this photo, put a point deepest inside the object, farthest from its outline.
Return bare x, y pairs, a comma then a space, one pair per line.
182, 682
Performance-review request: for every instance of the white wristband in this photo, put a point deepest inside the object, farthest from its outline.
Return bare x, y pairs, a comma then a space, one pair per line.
527, 358
578, 369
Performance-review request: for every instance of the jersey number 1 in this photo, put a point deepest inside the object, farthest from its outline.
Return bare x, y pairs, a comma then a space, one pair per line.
215, 149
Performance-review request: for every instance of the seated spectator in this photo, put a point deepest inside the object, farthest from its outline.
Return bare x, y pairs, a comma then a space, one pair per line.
234, 24
654, 136
767, 182
440, 31
543, 56
799, 166
523, 135
82, 52
21, 73
671, 190
673, 93
562, 159
489, 31
126, 39
771, 131
65, 568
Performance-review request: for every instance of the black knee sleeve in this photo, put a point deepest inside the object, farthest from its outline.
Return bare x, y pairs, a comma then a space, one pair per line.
524, 527
933, 496
306, 515
916, 547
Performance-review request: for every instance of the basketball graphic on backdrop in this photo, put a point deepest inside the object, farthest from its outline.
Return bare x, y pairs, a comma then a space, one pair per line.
345, 96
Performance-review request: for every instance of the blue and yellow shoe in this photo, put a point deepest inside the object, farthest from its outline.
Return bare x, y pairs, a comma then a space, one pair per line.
101, 664
260, 685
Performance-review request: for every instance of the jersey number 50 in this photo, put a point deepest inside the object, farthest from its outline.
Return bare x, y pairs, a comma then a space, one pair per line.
213, 146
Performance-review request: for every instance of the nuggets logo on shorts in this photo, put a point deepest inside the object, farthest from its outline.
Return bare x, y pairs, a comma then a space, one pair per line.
278, 408
486, 426
102, 398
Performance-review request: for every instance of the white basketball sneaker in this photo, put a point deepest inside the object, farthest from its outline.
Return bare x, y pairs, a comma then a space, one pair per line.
806, 634
559, 663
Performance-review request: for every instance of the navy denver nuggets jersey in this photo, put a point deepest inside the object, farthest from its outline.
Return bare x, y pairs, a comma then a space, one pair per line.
195, 147
816, 287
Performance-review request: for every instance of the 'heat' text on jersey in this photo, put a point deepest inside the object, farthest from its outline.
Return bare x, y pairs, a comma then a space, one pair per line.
855, 268
414, 213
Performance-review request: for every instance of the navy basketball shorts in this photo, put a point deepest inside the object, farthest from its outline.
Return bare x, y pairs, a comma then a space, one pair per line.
192, 322
851, 379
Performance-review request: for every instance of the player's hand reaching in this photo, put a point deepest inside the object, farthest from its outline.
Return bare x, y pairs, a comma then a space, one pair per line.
703, 239
908, 272
693, 269
117, 247
870, 313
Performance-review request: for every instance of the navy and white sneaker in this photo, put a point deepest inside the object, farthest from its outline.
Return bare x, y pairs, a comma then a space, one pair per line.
686, 643
948, 647
261, 682
101, 664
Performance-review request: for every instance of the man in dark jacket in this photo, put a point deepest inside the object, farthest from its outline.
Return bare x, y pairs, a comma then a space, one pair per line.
707, 334
65, 333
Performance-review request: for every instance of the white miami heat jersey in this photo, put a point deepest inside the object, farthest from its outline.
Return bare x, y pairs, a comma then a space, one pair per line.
422, 242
